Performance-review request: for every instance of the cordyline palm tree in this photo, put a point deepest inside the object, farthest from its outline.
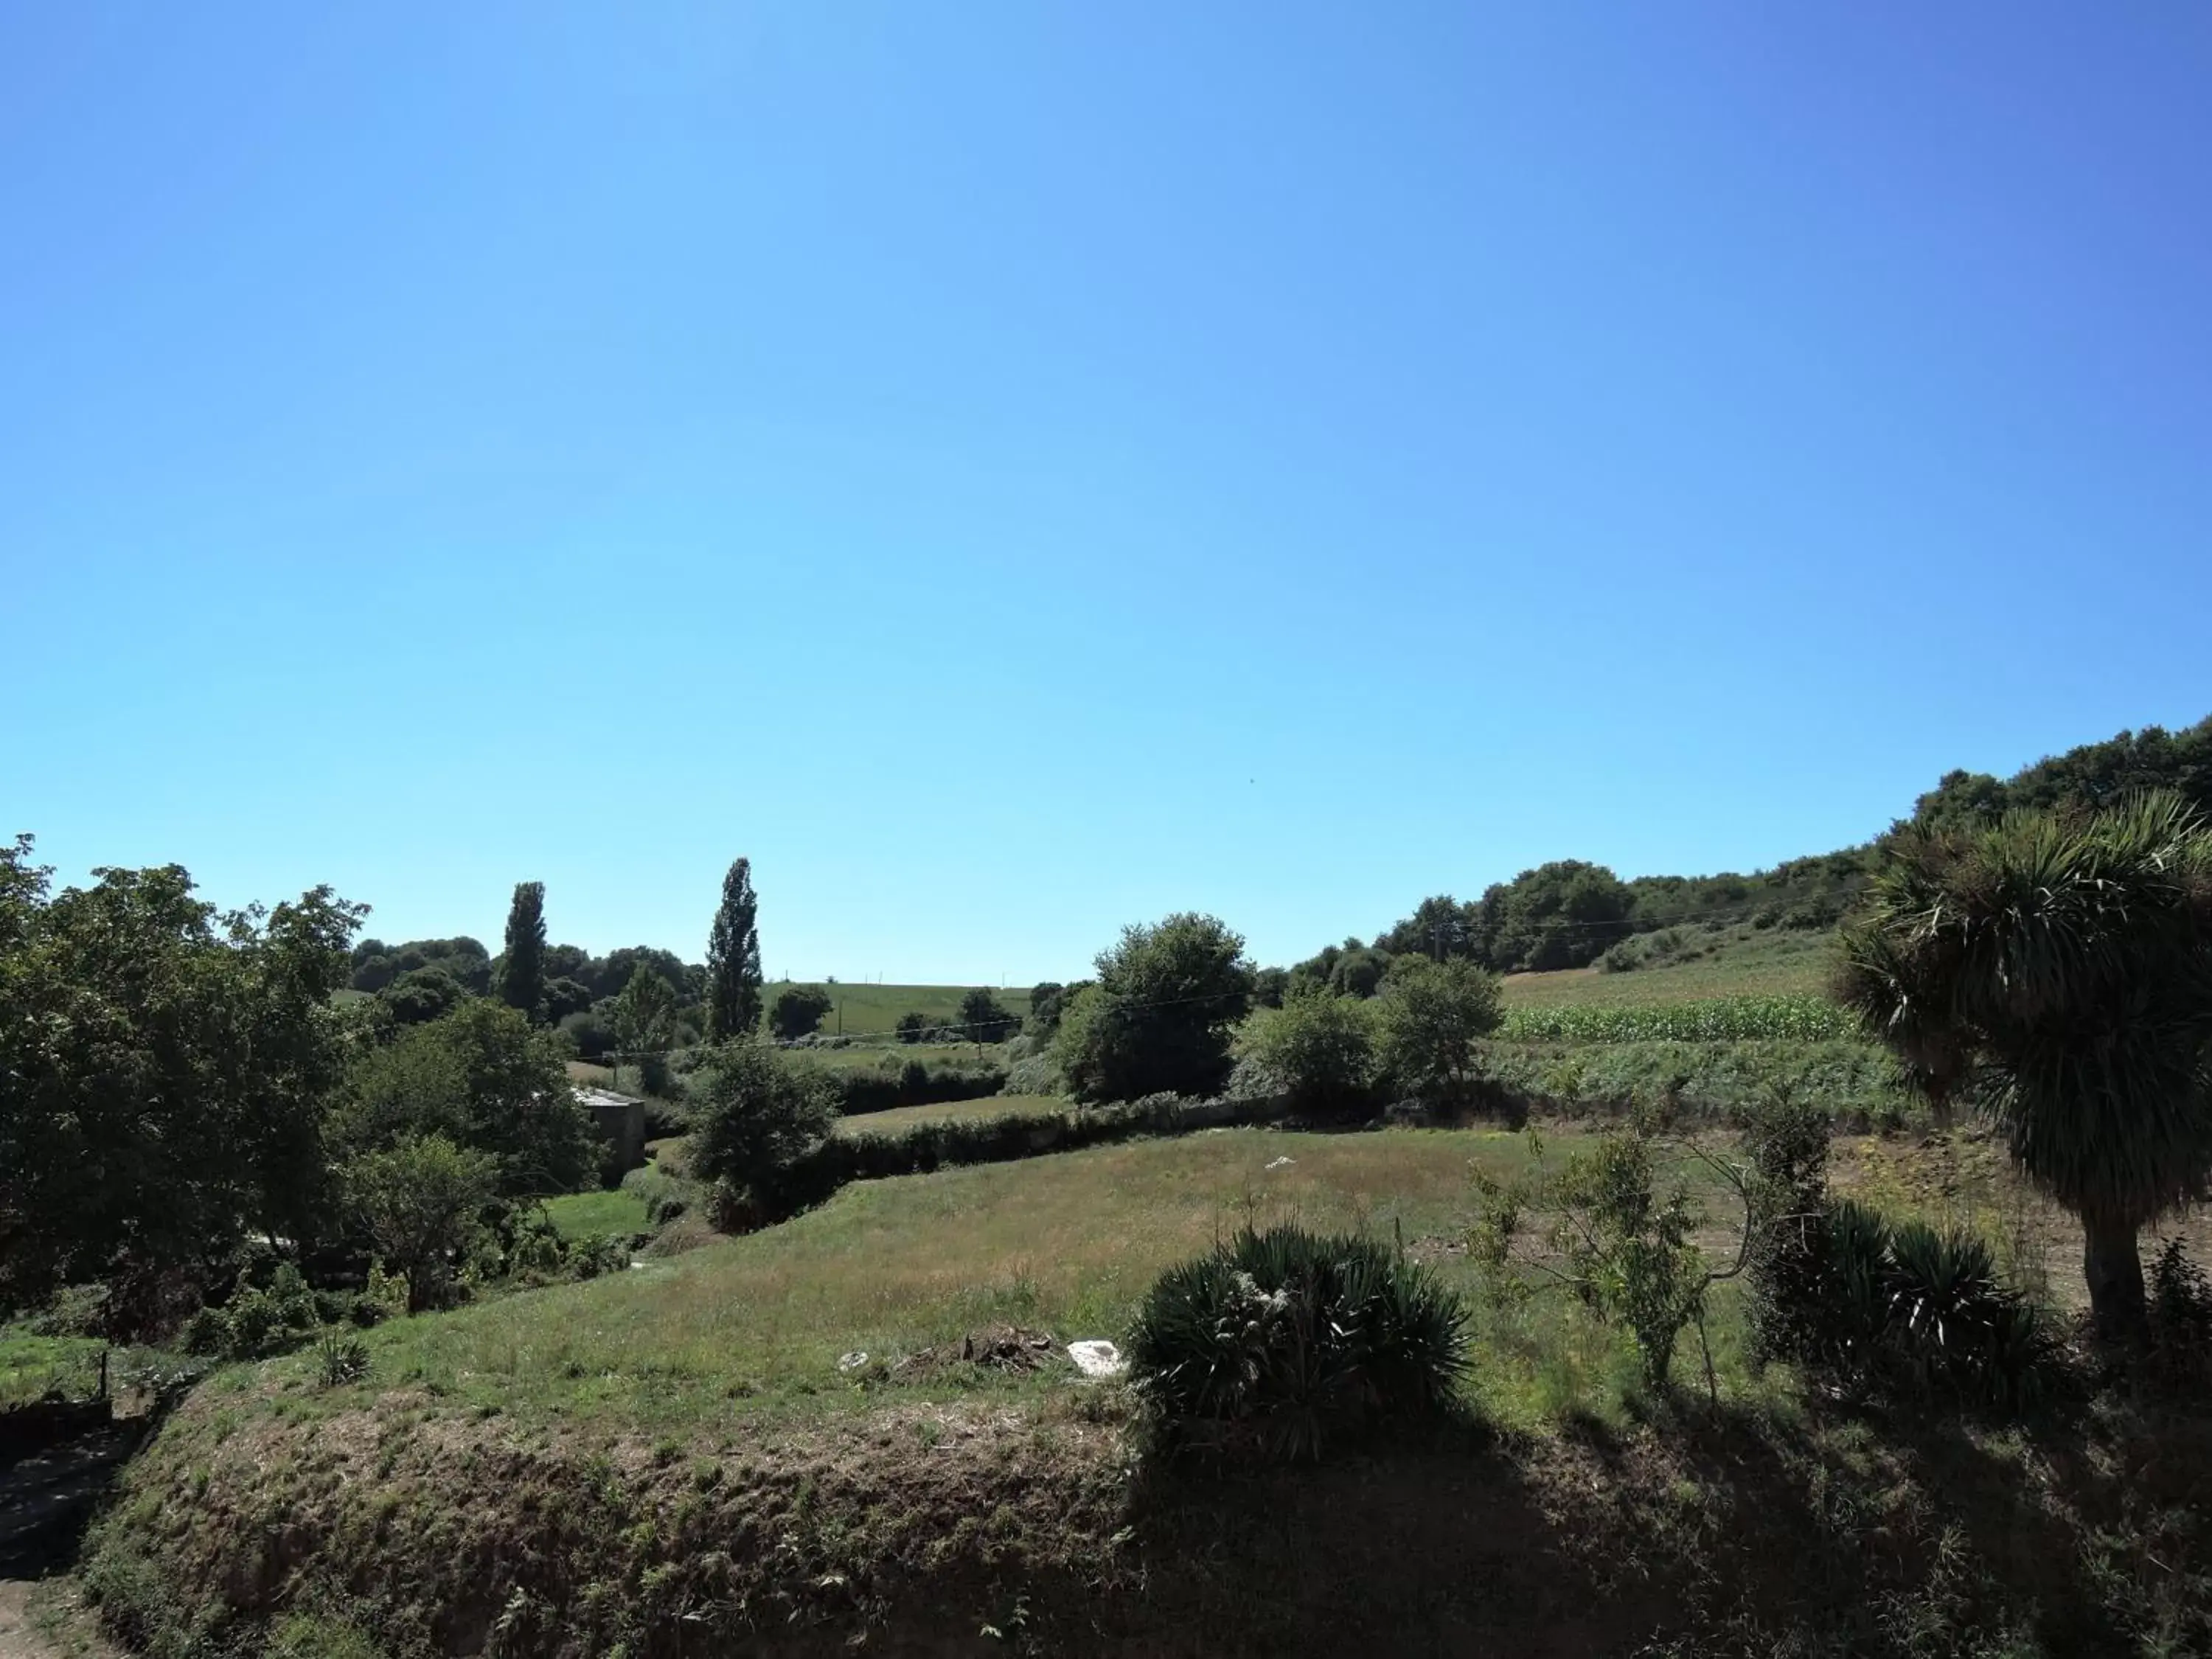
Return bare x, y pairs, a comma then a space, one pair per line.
2056, 970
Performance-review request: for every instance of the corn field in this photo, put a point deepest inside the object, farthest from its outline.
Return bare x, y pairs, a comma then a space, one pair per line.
1719, 1019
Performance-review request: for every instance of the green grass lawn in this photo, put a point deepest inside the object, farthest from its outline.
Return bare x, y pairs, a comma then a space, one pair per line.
905, 1117
593, 1215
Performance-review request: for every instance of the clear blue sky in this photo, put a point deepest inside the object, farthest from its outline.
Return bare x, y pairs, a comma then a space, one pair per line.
1015, 470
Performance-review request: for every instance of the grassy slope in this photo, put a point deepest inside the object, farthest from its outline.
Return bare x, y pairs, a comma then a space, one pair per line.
593, 1214
1741, 962
674, 1458
866, 1009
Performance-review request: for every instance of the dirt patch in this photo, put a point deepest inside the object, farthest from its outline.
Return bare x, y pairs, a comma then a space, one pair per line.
1009, 1348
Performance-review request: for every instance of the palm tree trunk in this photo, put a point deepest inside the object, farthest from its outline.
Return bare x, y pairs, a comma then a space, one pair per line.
2113, 1267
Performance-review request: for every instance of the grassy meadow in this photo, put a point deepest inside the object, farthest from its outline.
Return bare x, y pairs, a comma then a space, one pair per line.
874, 1010
898, 1118
1740, 961
595, 1215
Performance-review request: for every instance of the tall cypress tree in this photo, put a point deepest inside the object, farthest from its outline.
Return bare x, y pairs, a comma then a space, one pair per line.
734, 959
522, 973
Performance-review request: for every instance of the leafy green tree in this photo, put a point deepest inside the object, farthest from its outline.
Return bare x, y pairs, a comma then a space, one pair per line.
1318, 1050
645, 1012
163, 1071
2056, 969
912, 1026
1562, 915
798, 1010
522, 969
734, 959
419, 1198
484, 1078
983, 1020
1159, 1018
564, 997
759, 1114
1270, 986
422, 994
1431, 1015
1439, 926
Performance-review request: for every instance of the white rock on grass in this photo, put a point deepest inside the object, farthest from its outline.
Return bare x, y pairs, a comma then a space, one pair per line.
1280, 1163
852, 1362
1097, 1358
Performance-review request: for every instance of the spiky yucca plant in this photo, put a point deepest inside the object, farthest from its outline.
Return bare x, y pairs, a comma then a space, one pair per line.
1276, 1341
2056, 970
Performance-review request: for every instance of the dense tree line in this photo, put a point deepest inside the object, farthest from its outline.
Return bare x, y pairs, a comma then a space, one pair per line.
1569, 914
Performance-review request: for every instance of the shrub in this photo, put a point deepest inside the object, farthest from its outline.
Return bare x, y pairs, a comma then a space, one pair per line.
1032, 1074
1913, 1309
590, 1257
665, 1197
911, 1026
340, 1359
1430, 1014
419, 1201
2180, 1315
1317, 1050
256, 1321
797, 1010
1277, 1342
760, 1116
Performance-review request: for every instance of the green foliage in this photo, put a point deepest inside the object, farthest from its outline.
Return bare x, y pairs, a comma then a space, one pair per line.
422, 994
1431, 1015
798, 1010
1910, 1308
419, 1199
912, 1027
1620, 1245
759, 1115
165, 1068
1562, 915
2094, 775
645, 1012
1786, 1137
522, 966
2180, 1315
1047, 998
983, 1020
340, 1359
2058, 971
1159, 1018
1716, 1019
462, 959
1277, 1343
483, 1079
734, 959
1318, 1050
895, 1082
256, 1320
1851, 1079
